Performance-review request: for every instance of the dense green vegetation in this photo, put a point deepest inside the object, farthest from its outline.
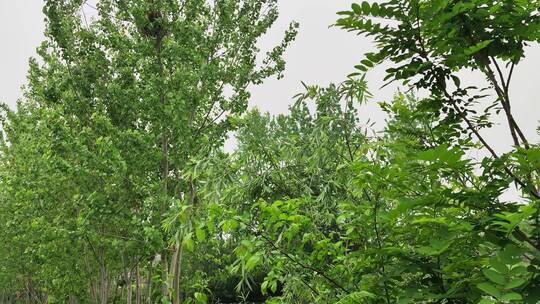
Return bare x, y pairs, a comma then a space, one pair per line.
115, 187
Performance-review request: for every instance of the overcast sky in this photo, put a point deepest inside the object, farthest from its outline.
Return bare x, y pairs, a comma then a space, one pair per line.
320, 55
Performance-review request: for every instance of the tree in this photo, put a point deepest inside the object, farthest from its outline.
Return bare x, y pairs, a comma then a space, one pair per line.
115, 112
427, 42
404, 216
280, 200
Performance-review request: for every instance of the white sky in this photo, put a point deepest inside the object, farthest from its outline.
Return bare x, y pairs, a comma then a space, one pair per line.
320, 55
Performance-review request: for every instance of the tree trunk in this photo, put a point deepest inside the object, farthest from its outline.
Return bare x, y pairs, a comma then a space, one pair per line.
129, 287
115, 294
149, 285
164, 274
72, 299
164, 160
104, 284
92, 291
177, 275
137, 285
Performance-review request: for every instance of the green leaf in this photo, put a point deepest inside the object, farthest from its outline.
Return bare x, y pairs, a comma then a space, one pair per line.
264, 286
253, 261
273, 286
489, 289
356, 8
188, 243
356, 297
361, 68
518, 270
510, 255
200, 234
512, 297
477, 47
406, 204
372, 57
494, 276
498, 265
344, 13
375, 9
366, 8
229, 225
201, 297
367, 63
456, 80
514, 283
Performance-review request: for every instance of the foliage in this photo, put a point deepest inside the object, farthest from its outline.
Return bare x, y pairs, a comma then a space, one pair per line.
95, 161
115, 187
